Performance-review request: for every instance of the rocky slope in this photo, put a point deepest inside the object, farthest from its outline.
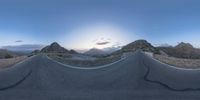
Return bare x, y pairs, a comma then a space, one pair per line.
182, 50
95, 52
54, 48
73, 52
138, 44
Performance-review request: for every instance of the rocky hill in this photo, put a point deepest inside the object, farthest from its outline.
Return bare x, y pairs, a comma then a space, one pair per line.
95, 52
138, 44
54, 48
182, 50
73, 52
35, 52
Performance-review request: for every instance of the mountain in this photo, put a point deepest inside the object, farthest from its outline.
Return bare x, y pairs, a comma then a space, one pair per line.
138, 44
35, 52
54, 48
182, 50
95, 52
73, 52
25, 48
110, 50
7, 54
184, 46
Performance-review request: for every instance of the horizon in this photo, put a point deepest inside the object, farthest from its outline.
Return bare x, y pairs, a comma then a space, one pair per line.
98, 24
32, 47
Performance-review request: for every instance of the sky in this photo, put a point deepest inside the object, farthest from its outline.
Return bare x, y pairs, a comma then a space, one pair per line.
85, 24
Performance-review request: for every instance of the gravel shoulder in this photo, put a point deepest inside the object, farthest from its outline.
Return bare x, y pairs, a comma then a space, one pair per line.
5, 63
179, 62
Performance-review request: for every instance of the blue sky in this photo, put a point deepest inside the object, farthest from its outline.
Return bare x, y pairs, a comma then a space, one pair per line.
82, 24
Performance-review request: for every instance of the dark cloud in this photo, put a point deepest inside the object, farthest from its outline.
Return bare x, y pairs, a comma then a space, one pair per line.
102, 43
18, 41
25, 47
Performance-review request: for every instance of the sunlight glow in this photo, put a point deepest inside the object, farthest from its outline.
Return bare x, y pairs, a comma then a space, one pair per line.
97, 36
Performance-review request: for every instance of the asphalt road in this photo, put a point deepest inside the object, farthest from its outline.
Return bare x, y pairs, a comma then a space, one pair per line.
137, 77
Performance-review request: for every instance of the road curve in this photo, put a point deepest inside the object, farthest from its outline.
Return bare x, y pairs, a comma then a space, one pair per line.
87, 68
137, 77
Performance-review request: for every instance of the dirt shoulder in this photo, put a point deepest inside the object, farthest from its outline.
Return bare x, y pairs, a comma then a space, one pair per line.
5, 63
178, 62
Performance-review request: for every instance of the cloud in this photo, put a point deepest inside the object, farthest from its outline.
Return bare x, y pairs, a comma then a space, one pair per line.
162, 45
95, 41
18, 41
25, 47
102, 43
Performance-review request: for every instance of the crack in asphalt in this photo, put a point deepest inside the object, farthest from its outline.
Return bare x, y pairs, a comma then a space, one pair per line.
141, 61
17, 83
163, 84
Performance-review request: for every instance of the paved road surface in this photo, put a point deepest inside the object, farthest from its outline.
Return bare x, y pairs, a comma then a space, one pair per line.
137, 77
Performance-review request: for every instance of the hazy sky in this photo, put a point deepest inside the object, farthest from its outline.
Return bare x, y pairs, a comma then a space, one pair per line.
82, 24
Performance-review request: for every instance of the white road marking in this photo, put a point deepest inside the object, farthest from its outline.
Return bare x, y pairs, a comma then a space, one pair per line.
171, 65
86, 68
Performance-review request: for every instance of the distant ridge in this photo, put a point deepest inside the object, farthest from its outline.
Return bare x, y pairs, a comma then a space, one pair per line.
73, 52
95, 52
182, 50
